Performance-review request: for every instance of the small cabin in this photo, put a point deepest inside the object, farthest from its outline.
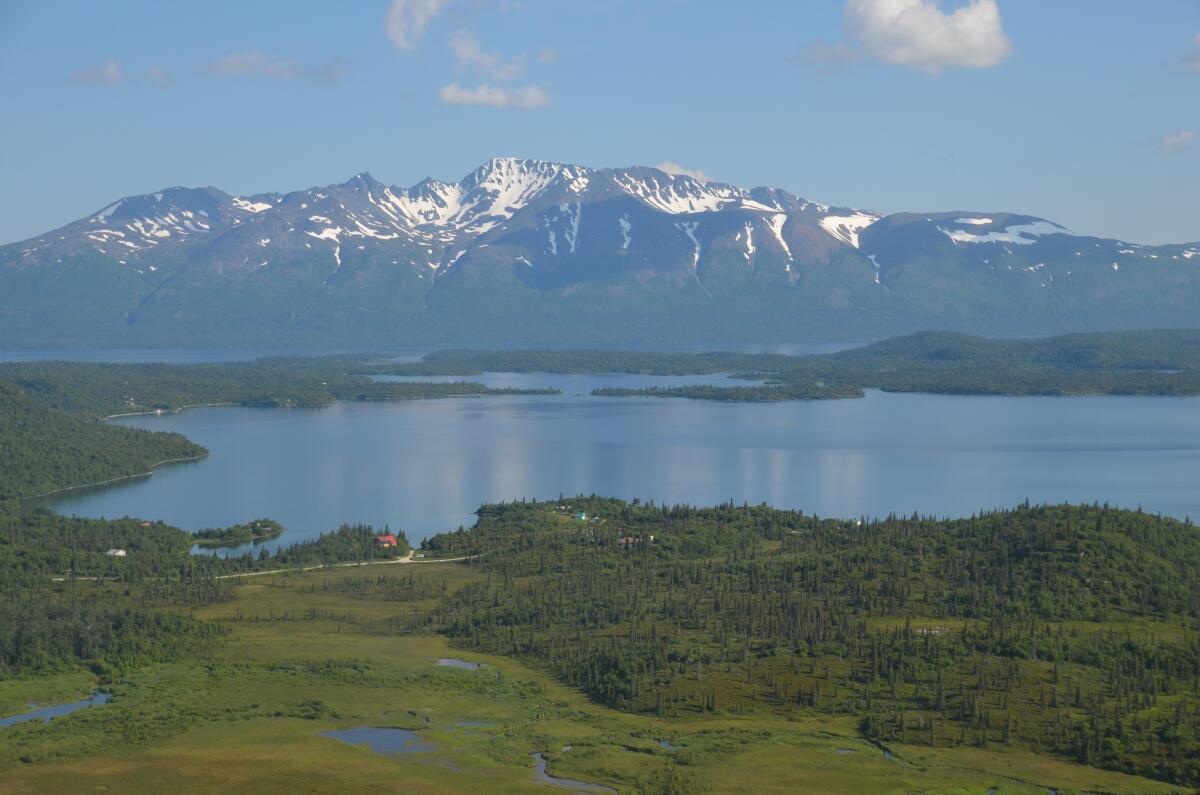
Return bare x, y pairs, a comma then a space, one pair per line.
115, 553
386, 541
581, 516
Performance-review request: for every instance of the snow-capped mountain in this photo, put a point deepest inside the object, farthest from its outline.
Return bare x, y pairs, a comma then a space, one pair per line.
445, 220
596, 253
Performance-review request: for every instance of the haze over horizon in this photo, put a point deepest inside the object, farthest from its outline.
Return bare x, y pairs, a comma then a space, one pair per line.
1083, 113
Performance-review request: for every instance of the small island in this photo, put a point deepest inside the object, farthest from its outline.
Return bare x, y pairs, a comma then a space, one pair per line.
238, 534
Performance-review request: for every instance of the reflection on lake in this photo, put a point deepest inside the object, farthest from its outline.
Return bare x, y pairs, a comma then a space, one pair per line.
426, 465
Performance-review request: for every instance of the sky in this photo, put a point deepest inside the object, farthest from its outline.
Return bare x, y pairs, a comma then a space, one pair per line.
1086, 112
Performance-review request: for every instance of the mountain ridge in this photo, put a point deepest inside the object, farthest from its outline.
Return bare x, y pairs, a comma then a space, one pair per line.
525, 251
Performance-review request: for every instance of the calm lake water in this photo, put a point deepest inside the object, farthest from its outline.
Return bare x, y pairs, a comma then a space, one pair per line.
426, 465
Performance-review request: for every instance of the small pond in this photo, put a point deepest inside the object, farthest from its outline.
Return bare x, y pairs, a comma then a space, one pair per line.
49, 713
454, 662
383, 741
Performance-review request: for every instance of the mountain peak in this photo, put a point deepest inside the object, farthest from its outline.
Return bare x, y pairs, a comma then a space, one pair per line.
360, 179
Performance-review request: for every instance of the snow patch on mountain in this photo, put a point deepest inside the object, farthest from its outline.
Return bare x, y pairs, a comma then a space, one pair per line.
248, 206
573, 215
689, 228
846, 227
1018, 234
676, 194
776, 223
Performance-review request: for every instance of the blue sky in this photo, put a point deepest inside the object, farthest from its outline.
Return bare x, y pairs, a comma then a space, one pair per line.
1086, 112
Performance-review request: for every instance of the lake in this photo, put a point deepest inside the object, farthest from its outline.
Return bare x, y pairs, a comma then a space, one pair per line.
426, 465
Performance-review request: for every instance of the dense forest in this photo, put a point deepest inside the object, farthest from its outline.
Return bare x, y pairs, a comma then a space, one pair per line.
1125, 363
1071, 629
42, 449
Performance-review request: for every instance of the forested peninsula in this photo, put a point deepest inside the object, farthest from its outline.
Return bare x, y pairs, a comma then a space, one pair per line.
1114, 363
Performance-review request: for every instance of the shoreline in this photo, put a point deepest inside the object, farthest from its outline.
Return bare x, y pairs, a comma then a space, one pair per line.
180, 409
175, 410
145, 474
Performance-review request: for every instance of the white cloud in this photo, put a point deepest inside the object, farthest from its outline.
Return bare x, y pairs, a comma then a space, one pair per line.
157, 74
918, 34
254, 63
1192, 60
674, 168
1178, 139
407, 20
468, 53
526, 97
106, 74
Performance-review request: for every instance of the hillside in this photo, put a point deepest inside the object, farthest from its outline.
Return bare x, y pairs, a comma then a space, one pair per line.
1069, 629
528, 252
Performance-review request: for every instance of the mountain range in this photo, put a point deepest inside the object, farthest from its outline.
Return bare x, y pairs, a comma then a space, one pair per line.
532, 252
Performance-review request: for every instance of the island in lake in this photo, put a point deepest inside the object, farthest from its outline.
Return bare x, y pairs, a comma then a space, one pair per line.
238, 534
